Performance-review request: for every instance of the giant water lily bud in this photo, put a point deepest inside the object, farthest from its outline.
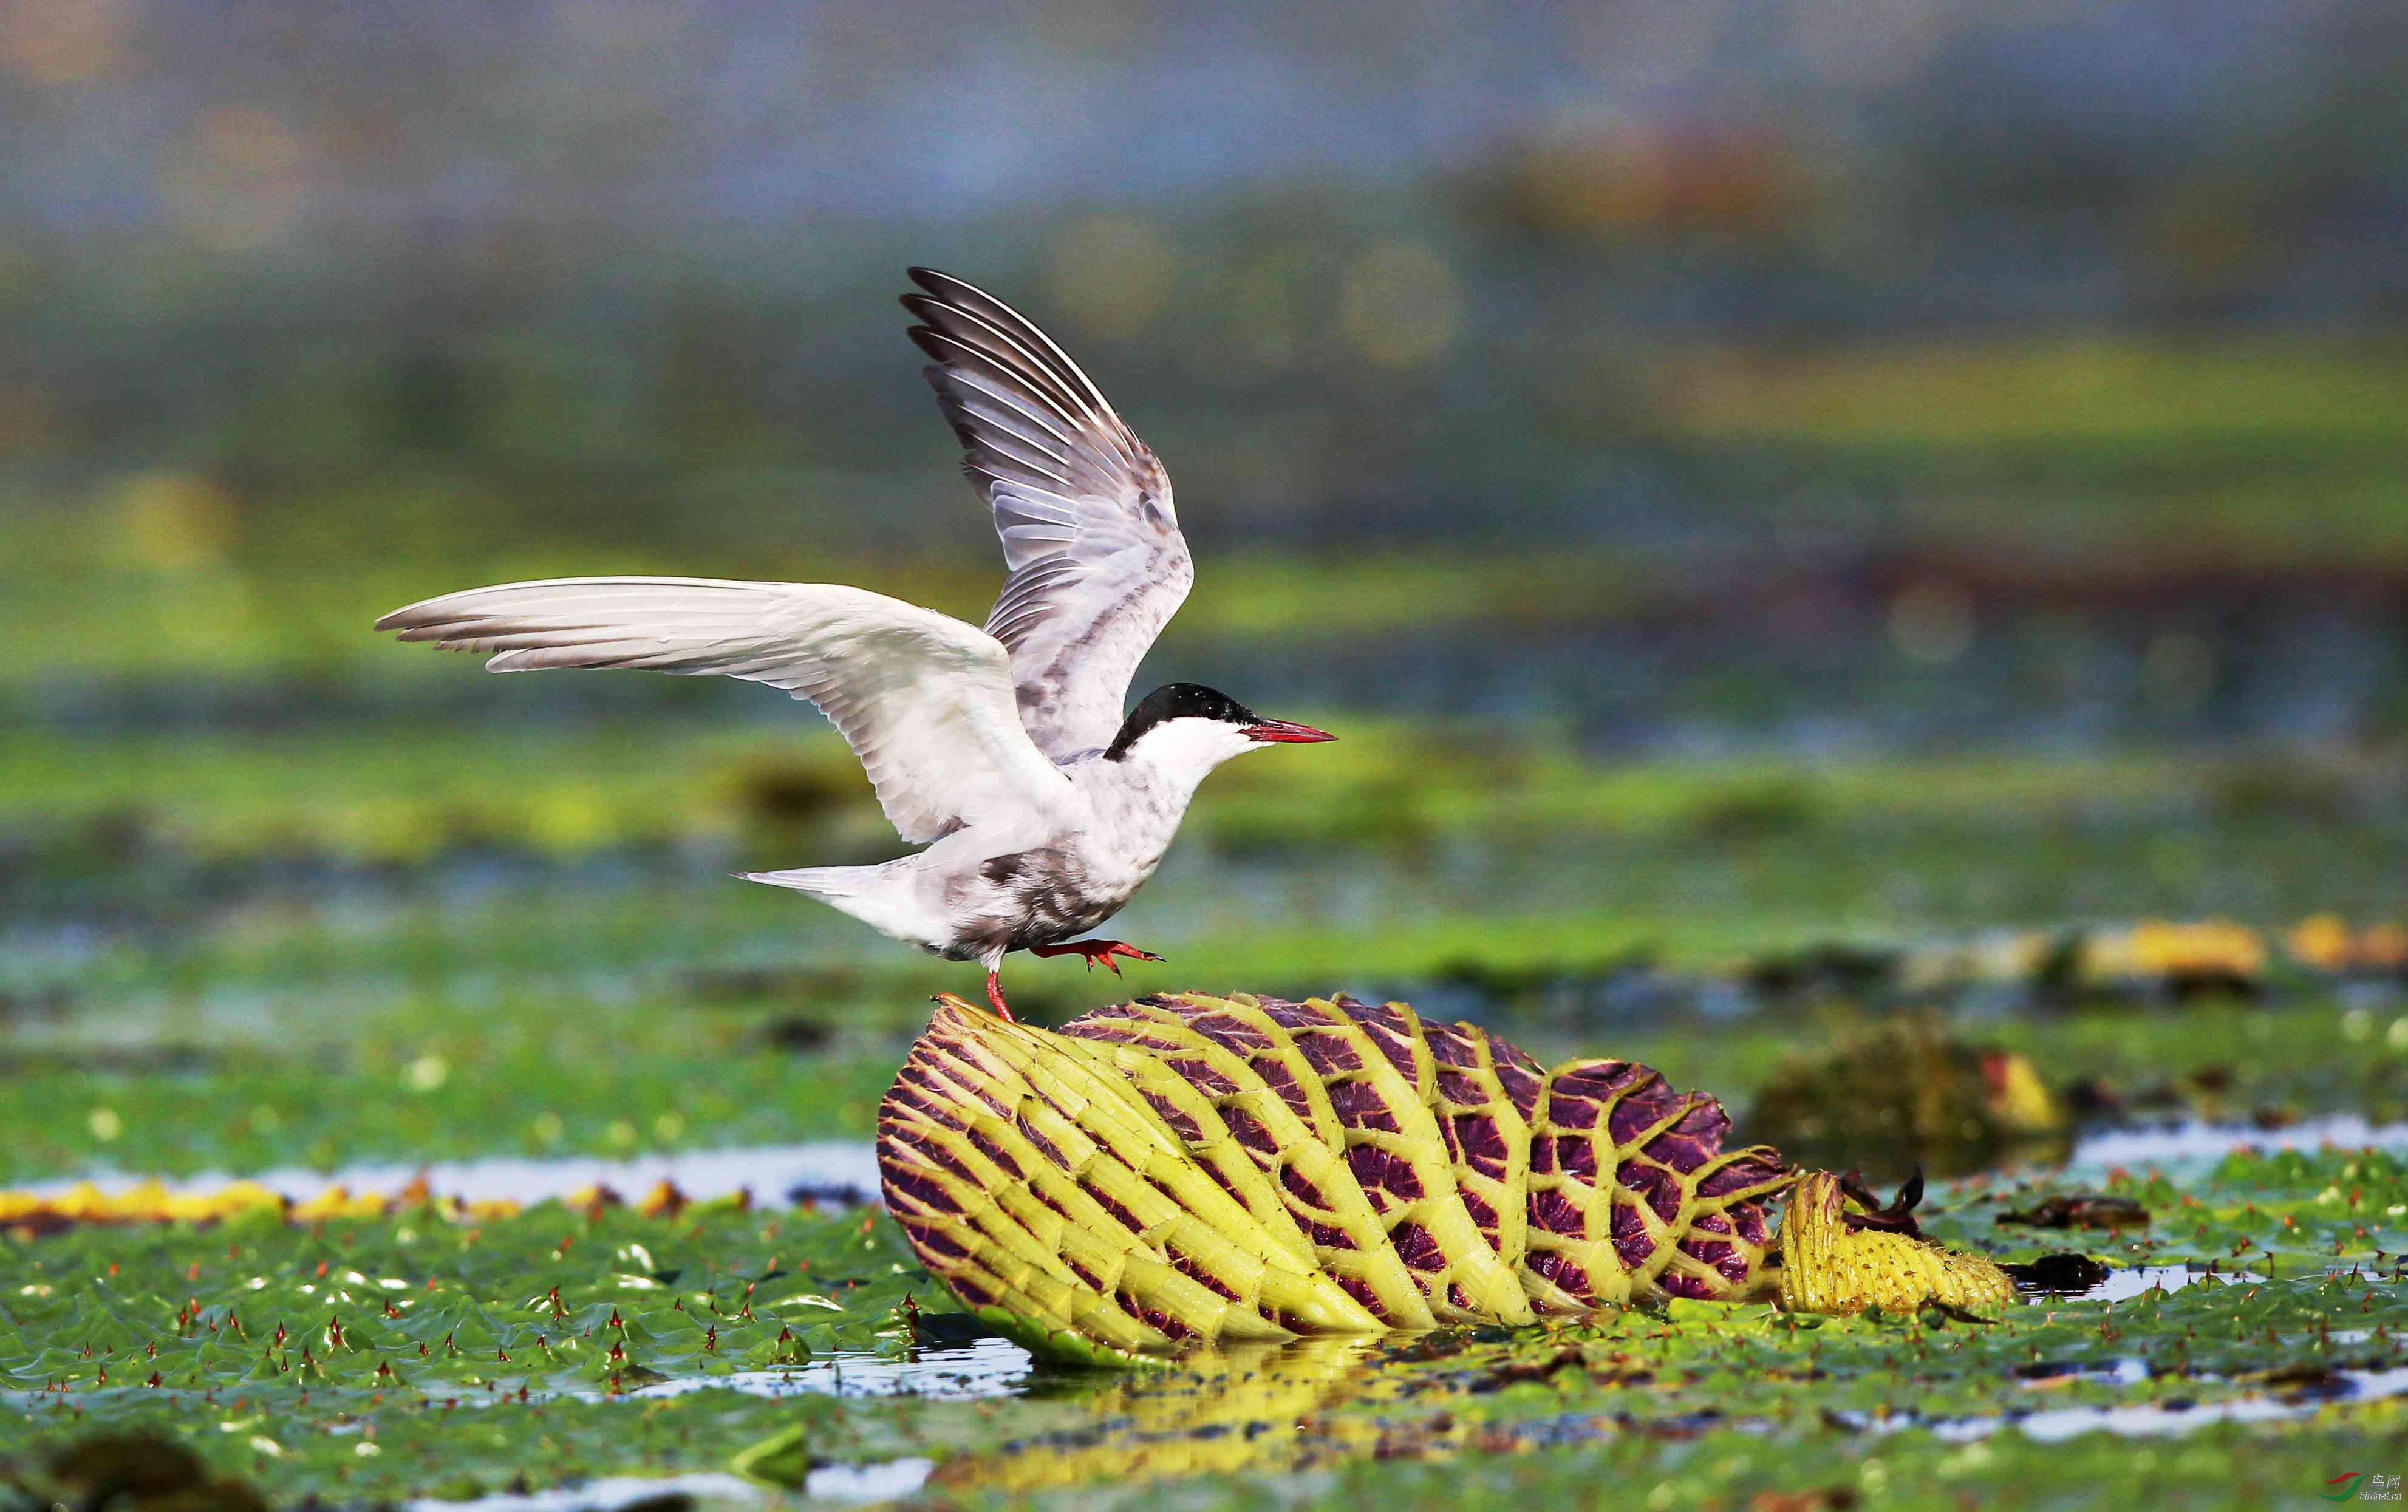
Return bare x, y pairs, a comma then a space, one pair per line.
1333, 1100
1044, 1192
1630, 1194
1842, 1253
1195, 1169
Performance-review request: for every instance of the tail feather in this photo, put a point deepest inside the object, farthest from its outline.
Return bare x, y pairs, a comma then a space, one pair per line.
887, 898
820, 881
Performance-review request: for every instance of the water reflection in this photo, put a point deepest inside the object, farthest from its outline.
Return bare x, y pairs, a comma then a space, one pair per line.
1219, 1410
2195, 1144
884, 1481
2147, 1420
829, 1171
988, 1368
607, 1494
2123, 1283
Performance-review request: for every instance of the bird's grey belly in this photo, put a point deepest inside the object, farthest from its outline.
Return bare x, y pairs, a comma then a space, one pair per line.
1039, 896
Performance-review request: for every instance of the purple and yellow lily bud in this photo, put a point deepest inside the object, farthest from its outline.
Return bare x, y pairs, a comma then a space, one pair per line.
1631, 1194
1193, 1171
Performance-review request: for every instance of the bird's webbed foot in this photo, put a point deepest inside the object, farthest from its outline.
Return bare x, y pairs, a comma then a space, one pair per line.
1097, 952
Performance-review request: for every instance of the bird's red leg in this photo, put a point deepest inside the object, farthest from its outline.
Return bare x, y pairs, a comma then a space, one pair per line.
994, 997
1099, 952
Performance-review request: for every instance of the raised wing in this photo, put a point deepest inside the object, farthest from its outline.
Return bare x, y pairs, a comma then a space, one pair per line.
925, 700
1082, 507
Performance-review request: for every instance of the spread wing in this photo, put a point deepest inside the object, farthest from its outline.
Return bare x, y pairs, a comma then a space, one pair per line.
1082, 506
925, 700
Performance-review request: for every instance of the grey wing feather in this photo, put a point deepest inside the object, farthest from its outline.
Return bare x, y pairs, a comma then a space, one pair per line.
925, 700
1082, 507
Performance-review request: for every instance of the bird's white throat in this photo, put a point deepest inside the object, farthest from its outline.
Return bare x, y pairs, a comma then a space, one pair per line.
1177, 753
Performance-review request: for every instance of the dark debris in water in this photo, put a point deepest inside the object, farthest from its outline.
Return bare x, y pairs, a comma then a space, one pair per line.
1835, 969
2064, 1275
1569, 1357
829, 1194
2307, 1383
2082, 1210
138, 1472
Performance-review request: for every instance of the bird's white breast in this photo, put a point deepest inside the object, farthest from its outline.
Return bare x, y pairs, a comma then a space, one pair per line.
1134, 814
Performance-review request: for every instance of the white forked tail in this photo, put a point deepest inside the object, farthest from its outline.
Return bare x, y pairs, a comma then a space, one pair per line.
882, 897
830, 883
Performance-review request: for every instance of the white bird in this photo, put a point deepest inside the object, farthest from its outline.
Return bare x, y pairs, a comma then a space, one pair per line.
1003, 750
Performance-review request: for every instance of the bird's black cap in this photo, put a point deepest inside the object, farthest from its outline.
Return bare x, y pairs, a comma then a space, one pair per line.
1177, 701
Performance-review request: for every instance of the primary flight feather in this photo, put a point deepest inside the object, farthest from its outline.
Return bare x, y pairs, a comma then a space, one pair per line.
1005, 750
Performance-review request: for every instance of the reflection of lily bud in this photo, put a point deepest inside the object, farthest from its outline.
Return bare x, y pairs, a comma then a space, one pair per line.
1253, 1406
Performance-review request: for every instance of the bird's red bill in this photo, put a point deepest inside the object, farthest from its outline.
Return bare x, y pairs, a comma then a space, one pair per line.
1286, 734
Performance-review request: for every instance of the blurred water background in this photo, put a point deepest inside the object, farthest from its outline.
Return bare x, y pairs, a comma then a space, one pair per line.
1739, 477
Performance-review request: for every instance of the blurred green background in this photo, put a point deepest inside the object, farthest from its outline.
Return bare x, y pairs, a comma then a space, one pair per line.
1747, 483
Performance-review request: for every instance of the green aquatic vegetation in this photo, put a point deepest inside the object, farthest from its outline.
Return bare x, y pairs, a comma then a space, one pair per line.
382, 793
279, 1349
1812, 1397
250, 1112
2151, 393
2225, 1061
77, 600
1671, 1392
551, 1300
1937, 1103
613, 1024
2283, 1214
2226, 1468
176, 1024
